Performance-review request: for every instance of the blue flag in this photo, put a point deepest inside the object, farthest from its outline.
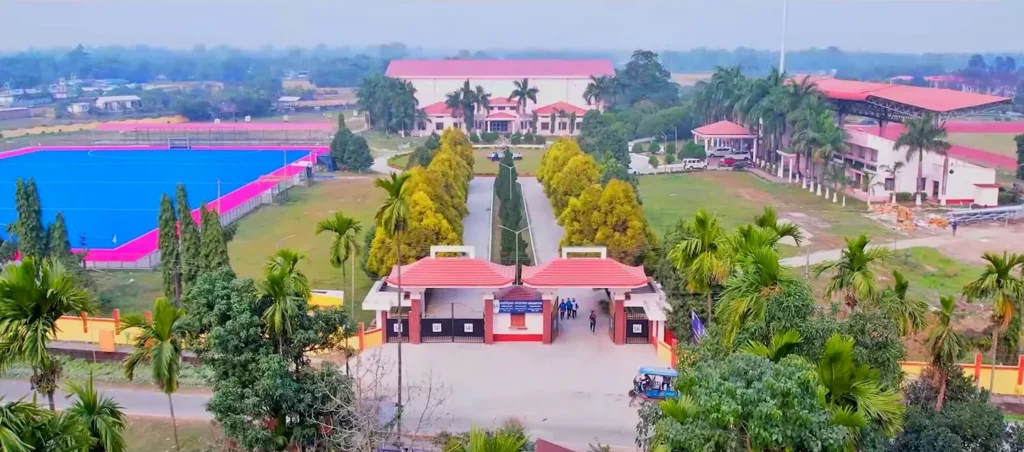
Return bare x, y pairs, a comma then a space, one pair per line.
696, 326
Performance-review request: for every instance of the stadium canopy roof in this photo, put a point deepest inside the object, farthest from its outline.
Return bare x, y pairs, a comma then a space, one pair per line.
890, 102
499, 68
212, 126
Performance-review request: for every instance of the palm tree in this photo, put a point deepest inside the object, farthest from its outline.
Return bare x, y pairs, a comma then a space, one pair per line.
893, 171
1000, 284
853, 274
482, 441
910, 313
285, 286
922, 135
852, 391
453, 101
522, 93
344, 247
160, 343
33, 295
483, 99
392, 217
750, 289
100, 414
599, 91
562, 115
24, 427
781, 346
701, 255
533, 122
946, 345
572, 123
15, 419
770, 219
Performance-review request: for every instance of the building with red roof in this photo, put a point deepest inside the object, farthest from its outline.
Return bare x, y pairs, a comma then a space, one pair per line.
560, 85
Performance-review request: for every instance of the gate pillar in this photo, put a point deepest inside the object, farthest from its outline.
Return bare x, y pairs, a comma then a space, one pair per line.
488, 319
620, 318
415, 314
546, 337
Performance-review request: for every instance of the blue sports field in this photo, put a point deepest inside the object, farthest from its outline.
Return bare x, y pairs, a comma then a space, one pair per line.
109, 197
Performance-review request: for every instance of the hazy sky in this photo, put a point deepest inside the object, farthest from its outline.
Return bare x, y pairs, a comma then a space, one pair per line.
881, 25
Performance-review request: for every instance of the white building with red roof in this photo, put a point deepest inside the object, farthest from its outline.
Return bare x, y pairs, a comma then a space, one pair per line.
560, 86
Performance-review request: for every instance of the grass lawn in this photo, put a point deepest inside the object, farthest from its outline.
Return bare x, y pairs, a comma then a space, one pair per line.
483, 166
996, 143
111, 372
291, 225
378, 140
127, 290
153, 434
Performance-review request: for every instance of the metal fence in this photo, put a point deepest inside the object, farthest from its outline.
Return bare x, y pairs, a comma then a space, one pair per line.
968, 216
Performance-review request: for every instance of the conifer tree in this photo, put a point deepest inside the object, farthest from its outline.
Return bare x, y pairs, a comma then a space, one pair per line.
60, 245
170, 264
29, 225
215, 248
190, 254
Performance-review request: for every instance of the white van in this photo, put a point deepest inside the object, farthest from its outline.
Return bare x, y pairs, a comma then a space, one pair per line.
692, 164
720, 152
739, 155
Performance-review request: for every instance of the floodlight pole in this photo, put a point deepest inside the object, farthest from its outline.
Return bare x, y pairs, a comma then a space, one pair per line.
219, 212
782, 50
510, 169
517, 240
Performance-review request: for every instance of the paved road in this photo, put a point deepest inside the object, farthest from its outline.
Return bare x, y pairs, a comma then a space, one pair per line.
476, 227
545, 230
142, 401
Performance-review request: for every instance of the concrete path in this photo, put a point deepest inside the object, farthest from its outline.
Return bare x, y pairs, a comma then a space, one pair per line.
638, 164
545, 231
476, 227
141, 401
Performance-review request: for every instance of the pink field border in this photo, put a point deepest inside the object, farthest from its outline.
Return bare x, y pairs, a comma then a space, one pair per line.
145, 244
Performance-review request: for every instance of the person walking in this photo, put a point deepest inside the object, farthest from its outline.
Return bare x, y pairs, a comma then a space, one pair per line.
953, 224
575, 308
561, 309
593, 321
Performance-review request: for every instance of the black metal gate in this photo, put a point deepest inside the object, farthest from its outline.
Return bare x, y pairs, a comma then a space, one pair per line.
468, 330
554, 324
637, 326
436, 330
397, 330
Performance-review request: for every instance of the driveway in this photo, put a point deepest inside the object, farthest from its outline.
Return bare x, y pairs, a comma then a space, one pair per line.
142, 401
476, 227
545, 231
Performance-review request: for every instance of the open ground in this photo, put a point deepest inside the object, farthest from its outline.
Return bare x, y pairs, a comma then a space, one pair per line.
996, 143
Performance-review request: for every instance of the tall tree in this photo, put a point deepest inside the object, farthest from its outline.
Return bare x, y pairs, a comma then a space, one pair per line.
33, 295
599, 91
170, 262
1000, 284
854, 273
100, 414
749, 292
908, 312
392, 218
945, 345
59, 244
701, 255
190, 248
523, 94
1019, 139
923, 135
344, 233
770, 219
159, 342
29, 225
853, 392
286, 287
214, 253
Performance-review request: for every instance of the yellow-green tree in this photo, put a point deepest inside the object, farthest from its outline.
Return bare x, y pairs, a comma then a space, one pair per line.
430, 183
622, 226
556, 157
577, 219
456, 140
578, 173
426, 227
453, 174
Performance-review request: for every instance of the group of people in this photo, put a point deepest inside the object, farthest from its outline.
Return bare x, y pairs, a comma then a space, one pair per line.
568, 309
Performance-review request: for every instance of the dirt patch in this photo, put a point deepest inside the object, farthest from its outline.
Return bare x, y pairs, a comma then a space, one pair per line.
969, 246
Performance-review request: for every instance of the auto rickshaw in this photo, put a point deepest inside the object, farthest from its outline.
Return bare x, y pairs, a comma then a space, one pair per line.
654, 383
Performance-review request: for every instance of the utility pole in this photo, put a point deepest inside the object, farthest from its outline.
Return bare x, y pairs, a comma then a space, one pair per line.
517, 243
782, 49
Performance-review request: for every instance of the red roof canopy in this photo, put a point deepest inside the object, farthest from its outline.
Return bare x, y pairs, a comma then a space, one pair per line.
453, 273
499, 68
553, 108
723, 128
930, 99
520, 293
584, 272
502, 101
204, 126
437, 108
501, 115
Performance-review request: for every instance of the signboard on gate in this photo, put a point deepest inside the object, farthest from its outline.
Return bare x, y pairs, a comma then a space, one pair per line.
520, 306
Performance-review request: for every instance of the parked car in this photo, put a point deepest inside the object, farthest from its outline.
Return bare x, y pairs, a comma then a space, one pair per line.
720, 152
727, 161
740, 155
741, 165
692, 164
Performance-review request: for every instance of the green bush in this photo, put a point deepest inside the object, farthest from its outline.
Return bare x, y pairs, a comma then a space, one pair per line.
638, 148
528, 138
539, 139
670, 158
474, 138
905, 196
654, 148
516, 138
489, 137
670, 149
692, 150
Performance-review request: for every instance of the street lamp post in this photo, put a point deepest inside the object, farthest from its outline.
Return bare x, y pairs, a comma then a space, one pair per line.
517, 240
510, 169
782, 49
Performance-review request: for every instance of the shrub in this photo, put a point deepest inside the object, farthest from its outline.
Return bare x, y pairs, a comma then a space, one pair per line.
692, 150
669, 158
516, 138
638, 148
670, 149
474, 138
528, 138
905, 196
539, 139
489, 137
654, 148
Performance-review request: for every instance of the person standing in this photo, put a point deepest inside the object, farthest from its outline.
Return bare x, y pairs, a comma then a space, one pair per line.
593, 321
953, 224
575, 308
561, 310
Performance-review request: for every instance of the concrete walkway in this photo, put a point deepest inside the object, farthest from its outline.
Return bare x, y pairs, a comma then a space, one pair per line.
965, 234
476, 227
544, 230
142, 401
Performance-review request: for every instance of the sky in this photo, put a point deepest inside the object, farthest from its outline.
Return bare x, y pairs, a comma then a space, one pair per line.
954, 26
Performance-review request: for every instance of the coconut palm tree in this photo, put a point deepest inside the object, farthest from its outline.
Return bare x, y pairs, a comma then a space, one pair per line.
893, 171
482, 441
702, 255
44, 431
922, 135
854, 273
16, 418
1000, 284
781, 346
285, 286
392, 217
946, 345
33, 295
344, 247
483, 99
852, 390
599, 91
909, 313
160, 343
749, 290
770, 219
523, 93
453, 101
572, 123
100, 414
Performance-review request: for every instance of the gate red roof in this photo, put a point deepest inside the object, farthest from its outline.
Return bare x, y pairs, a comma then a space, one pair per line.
453, 273
584, 272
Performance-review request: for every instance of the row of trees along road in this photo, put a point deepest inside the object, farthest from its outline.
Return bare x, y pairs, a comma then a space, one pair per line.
592, 209
436, 198
186, 251
831, 376
510, 213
